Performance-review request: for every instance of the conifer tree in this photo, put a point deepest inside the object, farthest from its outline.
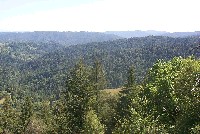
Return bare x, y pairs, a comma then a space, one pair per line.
8, 116
78, 96
25, 116
60, 123
98, 74
92, 124
131, 77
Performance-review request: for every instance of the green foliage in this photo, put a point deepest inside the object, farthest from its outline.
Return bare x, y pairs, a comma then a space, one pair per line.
92, 125
98, 76
195, 129
44, 65
129, 97
45, 115
169, 102
131, 78
106, 106
136, 124
172, 93
60, 120
25, 115
79, 96
8, 116
69, 99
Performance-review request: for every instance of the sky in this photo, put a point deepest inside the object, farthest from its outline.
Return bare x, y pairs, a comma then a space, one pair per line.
100, 15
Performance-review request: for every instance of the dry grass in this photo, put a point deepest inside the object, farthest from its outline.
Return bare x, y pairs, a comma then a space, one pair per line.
2, 100
112, 91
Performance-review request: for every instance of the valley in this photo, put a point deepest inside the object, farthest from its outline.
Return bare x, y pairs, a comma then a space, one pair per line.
63, 80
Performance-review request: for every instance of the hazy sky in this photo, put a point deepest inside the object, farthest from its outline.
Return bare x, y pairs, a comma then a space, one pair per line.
99, 15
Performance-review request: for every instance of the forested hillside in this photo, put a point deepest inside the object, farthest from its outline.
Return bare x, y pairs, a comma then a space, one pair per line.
166, 102
115, 56
44, 65
48, 87
64, 38
27, 51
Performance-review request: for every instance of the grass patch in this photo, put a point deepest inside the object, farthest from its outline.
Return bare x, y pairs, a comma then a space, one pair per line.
112, 91
2, 101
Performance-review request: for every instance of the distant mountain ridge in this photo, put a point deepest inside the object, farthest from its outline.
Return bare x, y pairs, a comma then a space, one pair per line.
82, 37
139, 33
64, 38
182, 34
136, 33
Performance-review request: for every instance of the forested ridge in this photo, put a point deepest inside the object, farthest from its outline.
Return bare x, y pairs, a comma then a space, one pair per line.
64, 38
50, 87
115, 56
139, 33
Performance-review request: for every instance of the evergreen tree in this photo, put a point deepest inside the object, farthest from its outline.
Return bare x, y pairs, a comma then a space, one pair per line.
98, 76
8, 116
60, 120
46, 116
131, 77
98, 80
128, 96
92, 124
25, 116
79, 96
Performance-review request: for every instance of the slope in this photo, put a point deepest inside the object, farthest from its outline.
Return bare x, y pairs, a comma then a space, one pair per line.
64, 38
49, 72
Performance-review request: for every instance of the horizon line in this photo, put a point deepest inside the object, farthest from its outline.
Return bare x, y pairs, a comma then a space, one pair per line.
6, 31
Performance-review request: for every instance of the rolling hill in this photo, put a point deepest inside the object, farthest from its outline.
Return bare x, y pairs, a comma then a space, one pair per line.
50, 70
64, 38
139, 33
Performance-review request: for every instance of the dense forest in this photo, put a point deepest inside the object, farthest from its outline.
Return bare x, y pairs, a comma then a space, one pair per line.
58, 83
